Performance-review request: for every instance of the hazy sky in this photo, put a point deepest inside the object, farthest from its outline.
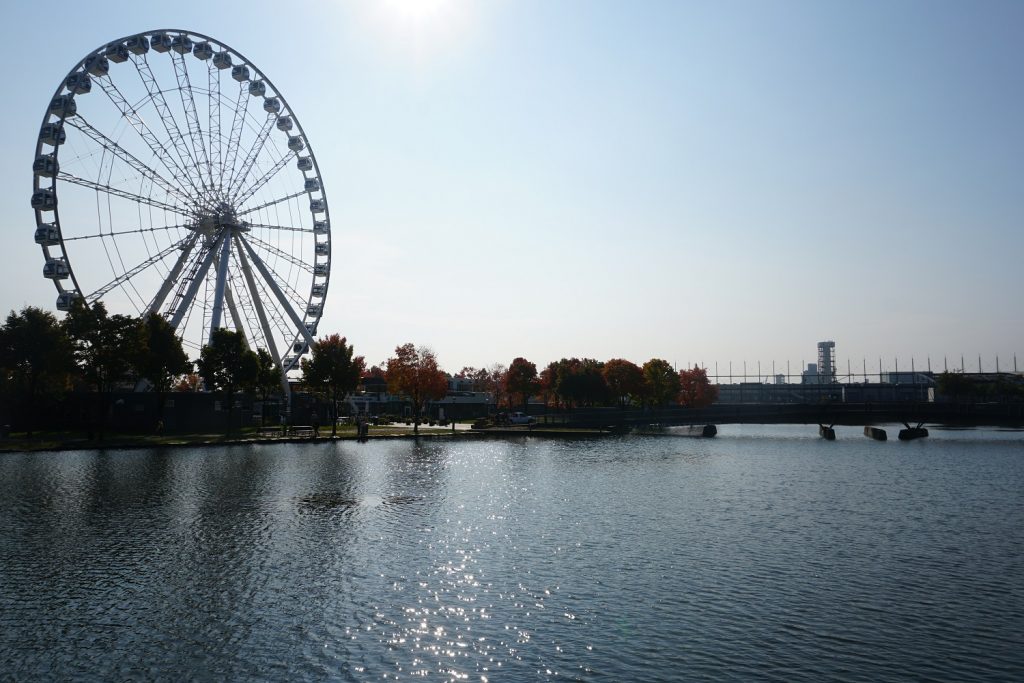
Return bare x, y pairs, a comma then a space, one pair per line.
694, 181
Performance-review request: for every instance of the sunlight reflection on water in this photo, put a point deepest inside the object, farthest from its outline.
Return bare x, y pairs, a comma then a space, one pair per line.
764, 553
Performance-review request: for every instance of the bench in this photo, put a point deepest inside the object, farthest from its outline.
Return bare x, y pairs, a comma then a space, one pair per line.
301, 432
268, 432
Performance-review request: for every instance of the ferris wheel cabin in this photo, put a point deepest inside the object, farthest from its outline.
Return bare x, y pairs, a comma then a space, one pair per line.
56, 269
203, 50
161, 42
52, 134
222, 60
65, 300
44, 200
305, 164
45, 165
116, 52
97, 65
272, 105
79, 83
320, 228
47, 235
240, 72
63, 106
137, 45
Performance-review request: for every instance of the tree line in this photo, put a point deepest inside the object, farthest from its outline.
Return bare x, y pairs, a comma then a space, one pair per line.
41, 359
574, 382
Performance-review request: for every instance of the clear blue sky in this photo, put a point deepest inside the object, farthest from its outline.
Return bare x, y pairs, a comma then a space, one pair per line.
695, 181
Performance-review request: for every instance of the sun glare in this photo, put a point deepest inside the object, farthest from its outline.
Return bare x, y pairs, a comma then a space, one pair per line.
422, 29
418, 11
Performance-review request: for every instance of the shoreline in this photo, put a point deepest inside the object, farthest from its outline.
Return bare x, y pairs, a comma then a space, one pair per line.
206, 441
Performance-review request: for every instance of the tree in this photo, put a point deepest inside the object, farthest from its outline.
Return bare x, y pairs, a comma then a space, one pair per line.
625, 380
227, 365
189, 382
661, 382
955, 384
105, 346
159, 357
521, 381
493, 382
333, 370
267, 381
695, 390
35, 359
414, 373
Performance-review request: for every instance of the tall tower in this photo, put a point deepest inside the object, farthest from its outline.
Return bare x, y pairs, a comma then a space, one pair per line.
826, 362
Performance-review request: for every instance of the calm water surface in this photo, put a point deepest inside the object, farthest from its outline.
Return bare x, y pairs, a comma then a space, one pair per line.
762, 554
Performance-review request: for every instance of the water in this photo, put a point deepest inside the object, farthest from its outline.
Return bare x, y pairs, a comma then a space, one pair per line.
762, 554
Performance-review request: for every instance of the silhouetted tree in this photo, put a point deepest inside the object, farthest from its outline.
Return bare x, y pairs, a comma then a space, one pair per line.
227, 365
35, 359
521, 381
104, 346
414, 374
268, 379
333, 370
159, 357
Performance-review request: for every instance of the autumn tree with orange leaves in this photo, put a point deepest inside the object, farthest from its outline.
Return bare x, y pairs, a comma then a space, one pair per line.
695, 389
625, 380
413, 373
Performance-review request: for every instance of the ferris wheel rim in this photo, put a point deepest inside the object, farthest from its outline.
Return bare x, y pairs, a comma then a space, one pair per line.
309, 322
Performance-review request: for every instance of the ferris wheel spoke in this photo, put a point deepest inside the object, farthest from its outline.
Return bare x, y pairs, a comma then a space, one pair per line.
257, 301
278, 293
125, 277
117, 233
243, 172
255, 186
123, 194
272, 203
172, 278
188, 103
156, 95
78, 122
281, 254
154, 143
288, 228
213, 113
235, 136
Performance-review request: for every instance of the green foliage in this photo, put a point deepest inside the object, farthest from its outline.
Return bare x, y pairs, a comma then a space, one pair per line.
954, 384
104, 345
268, 374
579, 382
227, 365
332, 370
159, 356
36, 359
661, 382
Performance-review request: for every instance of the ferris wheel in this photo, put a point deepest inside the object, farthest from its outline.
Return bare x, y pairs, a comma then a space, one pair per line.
186, 187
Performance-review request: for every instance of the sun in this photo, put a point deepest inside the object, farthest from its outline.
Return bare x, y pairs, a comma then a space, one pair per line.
418, 11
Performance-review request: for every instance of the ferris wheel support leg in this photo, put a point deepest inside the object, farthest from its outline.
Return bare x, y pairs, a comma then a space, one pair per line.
172, 277
278, 294
236, 320
222, 278
254, 296
193, 287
